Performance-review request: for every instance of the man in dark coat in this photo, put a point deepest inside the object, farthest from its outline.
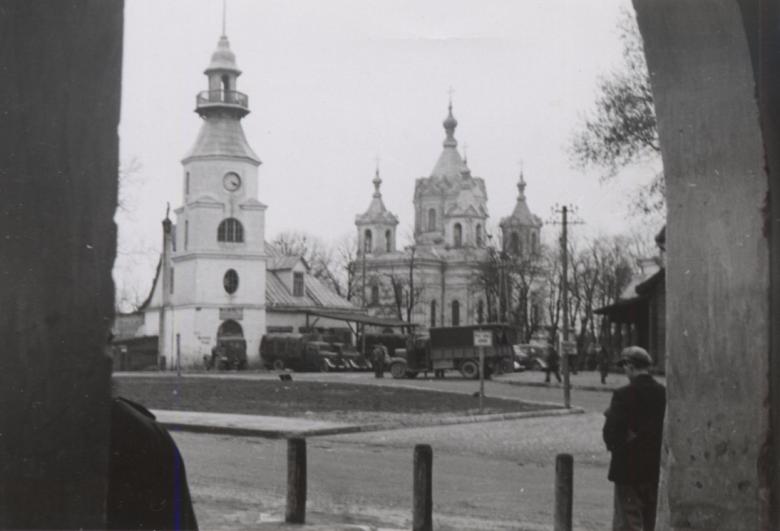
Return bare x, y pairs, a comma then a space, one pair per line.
632, 432
147, 483
552, 365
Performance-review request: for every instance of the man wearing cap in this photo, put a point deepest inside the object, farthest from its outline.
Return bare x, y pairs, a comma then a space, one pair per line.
632, 433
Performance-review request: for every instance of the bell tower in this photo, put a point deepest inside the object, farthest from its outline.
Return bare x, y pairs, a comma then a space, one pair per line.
217, 256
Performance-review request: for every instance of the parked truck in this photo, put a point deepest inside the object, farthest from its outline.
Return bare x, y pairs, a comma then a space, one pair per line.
300, 352
452, 348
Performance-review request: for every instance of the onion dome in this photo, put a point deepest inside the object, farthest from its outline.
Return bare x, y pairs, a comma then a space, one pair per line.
377, 213
521, 215
223, 58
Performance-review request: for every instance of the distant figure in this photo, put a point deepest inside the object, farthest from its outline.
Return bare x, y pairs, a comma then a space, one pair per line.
378, 355
147, 483
633, 432
604, 362
552, 361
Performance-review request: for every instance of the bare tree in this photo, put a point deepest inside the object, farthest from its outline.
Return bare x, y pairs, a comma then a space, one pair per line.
622, 129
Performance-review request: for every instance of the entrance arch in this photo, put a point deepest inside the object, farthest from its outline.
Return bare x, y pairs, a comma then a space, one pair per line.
230, 329
230, 351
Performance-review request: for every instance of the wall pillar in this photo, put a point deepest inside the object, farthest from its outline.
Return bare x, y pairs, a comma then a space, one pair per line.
715, 473
61, 65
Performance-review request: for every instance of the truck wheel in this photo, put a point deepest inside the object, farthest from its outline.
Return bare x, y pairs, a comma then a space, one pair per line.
469, 369
398, 370
278, 365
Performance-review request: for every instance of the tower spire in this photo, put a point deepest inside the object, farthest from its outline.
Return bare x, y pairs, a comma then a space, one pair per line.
377, 181
224, 17
521, 184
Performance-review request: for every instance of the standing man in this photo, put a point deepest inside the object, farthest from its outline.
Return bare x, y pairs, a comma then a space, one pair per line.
378, 355
632, 432
604, 360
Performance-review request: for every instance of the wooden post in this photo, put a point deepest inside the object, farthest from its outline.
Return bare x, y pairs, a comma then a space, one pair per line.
422, 510
61, 65
564, 491
296, 481
481, 377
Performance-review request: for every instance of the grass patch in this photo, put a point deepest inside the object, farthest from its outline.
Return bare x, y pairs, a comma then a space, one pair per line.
299, 398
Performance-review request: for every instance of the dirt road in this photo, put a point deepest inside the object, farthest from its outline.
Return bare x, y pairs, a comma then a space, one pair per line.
496, 475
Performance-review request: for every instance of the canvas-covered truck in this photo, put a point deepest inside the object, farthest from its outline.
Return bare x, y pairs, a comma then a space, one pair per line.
299, 352
452, 348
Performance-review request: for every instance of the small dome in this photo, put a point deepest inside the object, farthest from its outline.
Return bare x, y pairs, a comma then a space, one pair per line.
223, 57
450, 123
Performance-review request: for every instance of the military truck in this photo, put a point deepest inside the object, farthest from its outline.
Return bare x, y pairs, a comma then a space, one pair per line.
229, 353
452, 348
299, 352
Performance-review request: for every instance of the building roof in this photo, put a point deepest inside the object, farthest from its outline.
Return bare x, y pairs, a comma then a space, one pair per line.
521, 215
221, 136
284, 262
377, 212
316, 294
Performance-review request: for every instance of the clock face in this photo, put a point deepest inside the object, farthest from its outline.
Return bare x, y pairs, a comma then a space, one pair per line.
231, 182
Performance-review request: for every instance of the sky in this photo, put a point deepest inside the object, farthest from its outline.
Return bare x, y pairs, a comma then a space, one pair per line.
335, 86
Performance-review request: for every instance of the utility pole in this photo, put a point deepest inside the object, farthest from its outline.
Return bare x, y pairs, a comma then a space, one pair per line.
563, 354
165, 296
363, 294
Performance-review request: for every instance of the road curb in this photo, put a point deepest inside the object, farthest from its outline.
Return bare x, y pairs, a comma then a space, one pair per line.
556, 386
363, 428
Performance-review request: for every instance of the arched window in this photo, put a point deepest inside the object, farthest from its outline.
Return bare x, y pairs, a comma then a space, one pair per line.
367, 241
478, 235
457, 235
433, 313
432, 219
187, 184
515, 246
230, 281
534, 242
186, 234
375, 294
230, 230
455, 313
480, 312
388, 240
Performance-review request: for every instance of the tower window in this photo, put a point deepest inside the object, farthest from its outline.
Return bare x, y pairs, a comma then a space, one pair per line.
367, 241
516, 246
457, 235
186, 233
455, 313
374, 294
230, 230
230, 281
187, 184
388, 241
432, 219
478, 235
297, 284
534, 242
433, 313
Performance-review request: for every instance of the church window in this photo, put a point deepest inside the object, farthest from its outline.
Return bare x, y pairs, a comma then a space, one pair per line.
534, 242
516, 246
171, 290
478, 235
230, 281
433, 313
480, 312
297, 284
455, 313
388, 241
186, 234
457, 235
367, 241
187, 184
230, 230
374, 295
432, 219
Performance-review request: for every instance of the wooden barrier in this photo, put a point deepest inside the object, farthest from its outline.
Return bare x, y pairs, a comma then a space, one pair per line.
422, 508
296, 481
564, 488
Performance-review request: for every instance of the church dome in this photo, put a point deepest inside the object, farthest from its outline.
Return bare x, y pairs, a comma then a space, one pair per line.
223, 57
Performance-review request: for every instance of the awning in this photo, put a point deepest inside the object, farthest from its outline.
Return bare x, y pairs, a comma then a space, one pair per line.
358, 318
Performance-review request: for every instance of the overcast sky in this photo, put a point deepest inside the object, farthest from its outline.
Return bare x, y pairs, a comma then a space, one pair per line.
335, 84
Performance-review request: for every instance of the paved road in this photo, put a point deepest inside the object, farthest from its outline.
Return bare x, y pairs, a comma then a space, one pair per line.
496, 475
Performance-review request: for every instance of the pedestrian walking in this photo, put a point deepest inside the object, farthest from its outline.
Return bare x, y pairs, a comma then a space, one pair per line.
633, 431
604, 362
553, 365
378, 358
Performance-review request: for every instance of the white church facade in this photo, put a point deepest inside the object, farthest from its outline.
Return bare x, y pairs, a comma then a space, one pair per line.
435, 281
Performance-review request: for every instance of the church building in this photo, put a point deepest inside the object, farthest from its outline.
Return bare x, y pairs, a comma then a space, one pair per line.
435, 281
212, 277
